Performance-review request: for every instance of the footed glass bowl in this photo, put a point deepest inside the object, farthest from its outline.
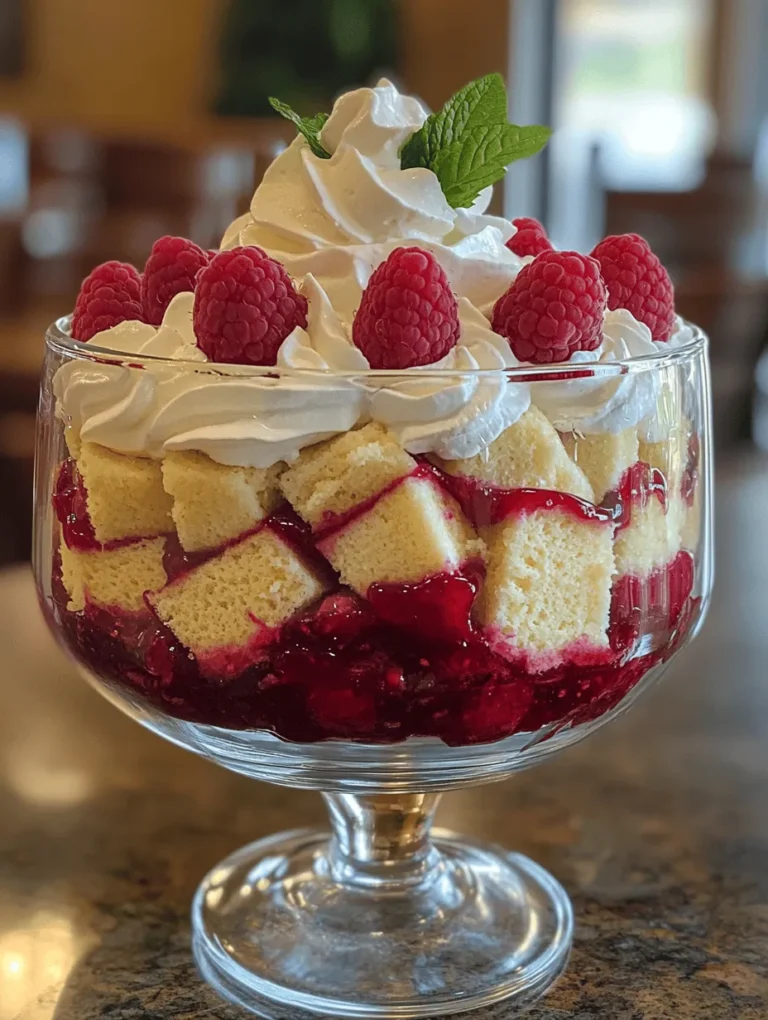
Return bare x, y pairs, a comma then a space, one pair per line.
376, 623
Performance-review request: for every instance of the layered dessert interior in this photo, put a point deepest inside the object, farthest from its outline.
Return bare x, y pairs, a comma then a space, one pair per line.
328, 484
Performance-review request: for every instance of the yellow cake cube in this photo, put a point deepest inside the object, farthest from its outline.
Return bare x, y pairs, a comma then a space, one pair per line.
212, 503
652, 538
413, 532
548, 583
228, 604
125, 495
527, 455
603, 458
113, 578
332, 477
670, 456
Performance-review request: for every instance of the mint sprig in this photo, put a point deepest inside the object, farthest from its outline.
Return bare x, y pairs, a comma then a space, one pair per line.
469, 144
310, 127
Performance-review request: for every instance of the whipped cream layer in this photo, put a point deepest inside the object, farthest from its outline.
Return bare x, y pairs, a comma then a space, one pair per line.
612, 402
234, 416
341, 217
331, 222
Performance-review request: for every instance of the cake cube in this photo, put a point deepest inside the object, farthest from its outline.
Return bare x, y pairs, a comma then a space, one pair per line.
213, 503
125, 495
226, 609
669, 455
651, 539
116, 578
414, 531
527, 455
548, 585
603, 458
407, 528
331, 478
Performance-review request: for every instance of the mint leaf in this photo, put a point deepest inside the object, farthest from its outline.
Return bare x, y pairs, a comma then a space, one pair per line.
310, 127
481, 157
481, 103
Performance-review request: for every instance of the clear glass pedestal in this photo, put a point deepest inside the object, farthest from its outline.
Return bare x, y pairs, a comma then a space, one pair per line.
379, 919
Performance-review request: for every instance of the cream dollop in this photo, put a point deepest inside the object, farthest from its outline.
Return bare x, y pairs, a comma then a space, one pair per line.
233, 415
339, 218
599, 402
458, 416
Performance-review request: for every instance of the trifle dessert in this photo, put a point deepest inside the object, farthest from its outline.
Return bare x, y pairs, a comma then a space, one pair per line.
385, 465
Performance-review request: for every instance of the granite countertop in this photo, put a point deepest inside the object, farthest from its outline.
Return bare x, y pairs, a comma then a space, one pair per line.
657, 826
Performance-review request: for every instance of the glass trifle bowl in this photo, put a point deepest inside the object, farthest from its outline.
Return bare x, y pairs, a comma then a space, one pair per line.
369, 534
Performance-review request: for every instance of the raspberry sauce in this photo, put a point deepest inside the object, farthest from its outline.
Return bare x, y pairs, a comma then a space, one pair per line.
407, 661
486, 504
70, 504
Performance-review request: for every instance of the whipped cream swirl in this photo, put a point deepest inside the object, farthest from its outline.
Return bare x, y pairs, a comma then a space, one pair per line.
604, 403
331, 222
341, 217
233, 415
459, 416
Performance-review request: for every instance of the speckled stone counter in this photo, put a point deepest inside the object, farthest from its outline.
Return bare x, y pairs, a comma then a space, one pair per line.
658, 827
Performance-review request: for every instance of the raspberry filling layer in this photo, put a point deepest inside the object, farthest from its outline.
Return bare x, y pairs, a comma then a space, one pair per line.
406, 661
486, 504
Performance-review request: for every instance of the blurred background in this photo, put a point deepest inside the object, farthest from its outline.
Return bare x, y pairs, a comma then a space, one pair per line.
125, 120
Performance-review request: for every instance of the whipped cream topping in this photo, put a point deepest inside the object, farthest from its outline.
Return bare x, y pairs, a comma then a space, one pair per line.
605, 403
458, 416
331, 222
234, 416
341, 217
455, 416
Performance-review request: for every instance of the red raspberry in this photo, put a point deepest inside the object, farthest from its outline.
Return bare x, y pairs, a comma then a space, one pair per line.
110, 294
530, 239
637, 280
555, 307
171, 268
245, 306
409, 315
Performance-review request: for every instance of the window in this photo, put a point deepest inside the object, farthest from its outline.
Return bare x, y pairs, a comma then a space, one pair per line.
631, 102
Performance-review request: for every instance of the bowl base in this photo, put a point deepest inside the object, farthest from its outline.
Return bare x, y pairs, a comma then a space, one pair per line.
277, 933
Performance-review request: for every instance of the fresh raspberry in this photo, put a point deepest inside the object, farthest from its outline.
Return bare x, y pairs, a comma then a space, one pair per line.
554, 307
530, 239
637, 280
171, 268
245, 306
409, 315
110, 294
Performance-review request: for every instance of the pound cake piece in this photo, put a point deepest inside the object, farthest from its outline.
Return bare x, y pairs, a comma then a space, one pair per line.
125, 495
377, 516
652, 538
670, 456
227, 609
548, 586
550, 568
604, 458
116, 578
415, 531
212, 503
527, 455
332, 478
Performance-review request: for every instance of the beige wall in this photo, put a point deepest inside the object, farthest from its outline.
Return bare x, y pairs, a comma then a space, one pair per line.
147, 66
447, 43
117, 64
